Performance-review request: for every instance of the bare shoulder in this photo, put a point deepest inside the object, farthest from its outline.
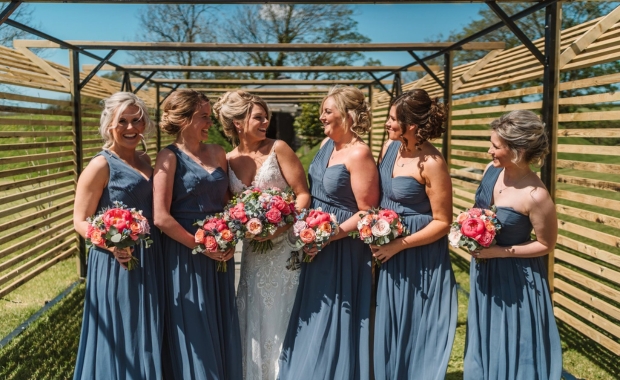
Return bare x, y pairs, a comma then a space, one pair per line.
324, 141
360, 154
216, 150
165, 157
144, 157
282, 148
97, 163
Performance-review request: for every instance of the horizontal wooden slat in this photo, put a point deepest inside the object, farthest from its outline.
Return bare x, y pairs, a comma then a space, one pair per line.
36, 191
23, 243
468, 164
588, 266
587, 282
589, 116
589, 250
590, 233
586, 298
589, 166
14, 210
40, 179
589, 132
462, 203
34, 99
464, 184
32, 225
27, 277
461, 253
588, 199
477, 121
466, 174
35, 145
589, 149
498, 109
34, 157
588, 215
44, 122
473, 133
34, 169
587, 182
588, 315
469, 153
34, 111
587, 330
29, 134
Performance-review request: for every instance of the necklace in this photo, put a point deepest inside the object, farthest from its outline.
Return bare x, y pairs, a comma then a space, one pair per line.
406, 163
516, 183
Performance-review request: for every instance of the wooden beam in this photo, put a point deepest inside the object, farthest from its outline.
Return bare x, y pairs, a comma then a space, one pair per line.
281, 47
590, 36
43, 65
480, 64
263, 90
265, 82
256, 69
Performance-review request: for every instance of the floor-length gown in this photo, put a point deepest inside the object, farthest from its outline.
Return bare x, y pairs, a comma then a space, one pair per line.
267, 289
122, 324
201, 323
511, 330
416, 313
328, 334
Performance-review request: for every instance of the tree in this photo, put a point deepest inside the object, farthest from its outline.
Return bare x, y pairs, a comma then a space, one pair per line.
22, 14
176, 23
308, 126
295, 23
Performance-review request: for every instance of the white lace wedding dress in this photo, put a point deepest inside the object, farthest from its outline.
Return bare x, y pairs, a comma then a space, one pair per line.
267, 289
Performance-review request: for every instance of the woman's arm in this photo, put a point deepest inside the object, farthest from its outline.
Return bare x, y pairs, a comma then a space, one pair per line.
545, 222
88, 192
438, 187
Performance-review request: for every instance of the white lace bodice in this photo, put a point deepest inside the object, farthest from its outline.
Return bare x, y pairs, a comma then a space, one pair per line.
267, 176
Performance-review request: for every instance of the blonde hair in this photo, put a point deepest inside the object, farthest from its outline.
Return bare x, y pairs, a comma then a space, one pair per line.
350, 101
236, 106
179, 108
524, 134
113, 107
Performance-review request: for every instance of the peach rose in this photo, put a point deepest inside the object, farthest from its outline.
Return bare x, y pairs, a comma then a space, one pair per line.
199, 236
462, 217
365, 231
489, 226
96, 238
307, 235
227, 235
211, 244
135, 228
325, 227
254, 226
474, 212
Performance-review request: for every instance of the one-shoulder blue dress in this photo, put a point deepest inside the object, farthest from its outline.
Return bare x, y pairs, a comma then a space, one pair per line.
328, 333
416, 313
511, 330
122, 324
202, 340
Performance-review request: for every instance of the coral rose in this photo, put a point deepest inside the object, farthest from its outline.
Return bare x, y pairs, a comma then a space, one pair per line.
273, 215
227, 235
199, 236
97, 238
89, 230
472, 227
486, 239
118, 218
388, 215
325, 227
281, 205
317, 217
238, 213
211, 244
365, 231
135, 228
307, 235
490, 226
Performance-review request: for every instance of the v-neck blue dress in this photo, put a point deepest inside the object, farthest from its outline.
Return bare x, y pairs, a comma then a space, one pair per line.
511, 330
416, 313
328, 333
202, 340
122, 323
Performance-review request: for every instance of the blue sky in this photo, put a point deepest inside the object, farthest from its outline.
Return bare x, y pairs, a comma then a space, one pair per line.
382, 23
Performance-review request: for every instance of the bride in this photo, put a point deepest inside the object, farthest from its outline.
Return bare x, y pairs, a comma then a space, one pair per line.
268, 282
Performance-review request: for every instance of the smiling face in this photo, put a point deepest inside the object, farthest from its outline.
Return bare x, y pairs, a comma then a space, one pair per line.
499, 151
332, 119
257, 123
128, 130
392, 127
198, 126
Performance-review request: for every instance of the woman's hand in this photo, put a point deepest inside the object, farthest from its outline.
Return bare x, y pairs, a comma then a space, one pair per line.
123, 255
385, 252
313, 249
492, 252
221, 256
279, 231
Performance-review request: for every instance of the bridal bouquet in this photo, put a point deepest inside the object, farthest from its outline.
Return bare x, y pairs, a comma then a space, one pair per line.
314, 227
379, 227
262, 212
474, 229
217, 234
119, 227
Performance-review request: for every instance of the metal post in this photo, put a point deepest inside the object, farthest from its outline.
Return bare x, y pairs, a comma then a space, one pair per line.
447, 99
76, 103
551, 80
157, 117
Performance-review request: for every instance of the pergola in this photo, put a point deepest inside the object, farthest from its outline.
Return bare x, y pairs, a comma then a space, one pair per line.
272, 90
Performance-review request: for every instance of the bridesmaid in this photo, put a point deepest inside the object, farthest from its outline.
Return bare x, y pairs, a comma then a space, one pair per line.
328, 334
266, 290
511, 330
416, 293
190, 182
123, 310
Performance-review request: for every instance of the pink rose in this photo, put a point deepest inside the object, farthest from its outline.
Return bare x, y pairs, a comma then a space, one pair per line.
388, 215
381, 228
472, 227
299, 226
317, 217
199, 236
281, 205
89, 230
211, 244
474, 212
307, 235
486, 239
254, 226
274, 215
238, 213
97, 238
118, 218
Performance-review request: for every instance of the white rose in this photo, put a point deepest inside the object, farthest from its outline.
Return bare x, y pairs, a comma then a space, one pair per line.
381, 228
299, 226
455, 236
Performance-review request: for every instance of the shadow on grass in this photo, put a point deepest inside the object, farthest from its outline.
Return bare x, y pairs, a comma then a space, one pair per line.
456, 375
48, 348
575, 341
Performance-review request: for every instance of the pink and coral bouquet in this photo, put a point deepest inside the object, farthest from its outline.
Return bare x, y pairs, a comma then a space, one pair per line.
475, 229
314, 227
119, 227
261, 213
217, 234
379, 227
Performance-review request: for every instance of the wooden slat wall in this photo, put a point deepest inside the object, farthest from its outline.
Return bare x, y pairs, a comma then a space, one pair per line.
587, 257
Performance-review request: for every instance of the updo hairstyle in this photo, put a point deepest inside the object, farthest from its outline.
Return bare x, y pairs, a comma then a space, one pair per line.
415, 107
350, 101
113, 107
178, 109
236, 106
524, 134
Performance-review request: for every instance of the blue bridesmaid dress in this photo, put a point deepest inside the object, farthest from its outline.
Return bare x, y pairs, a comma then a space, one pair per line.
328, 333
202, 339
122, 324
416, 313
511, 330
